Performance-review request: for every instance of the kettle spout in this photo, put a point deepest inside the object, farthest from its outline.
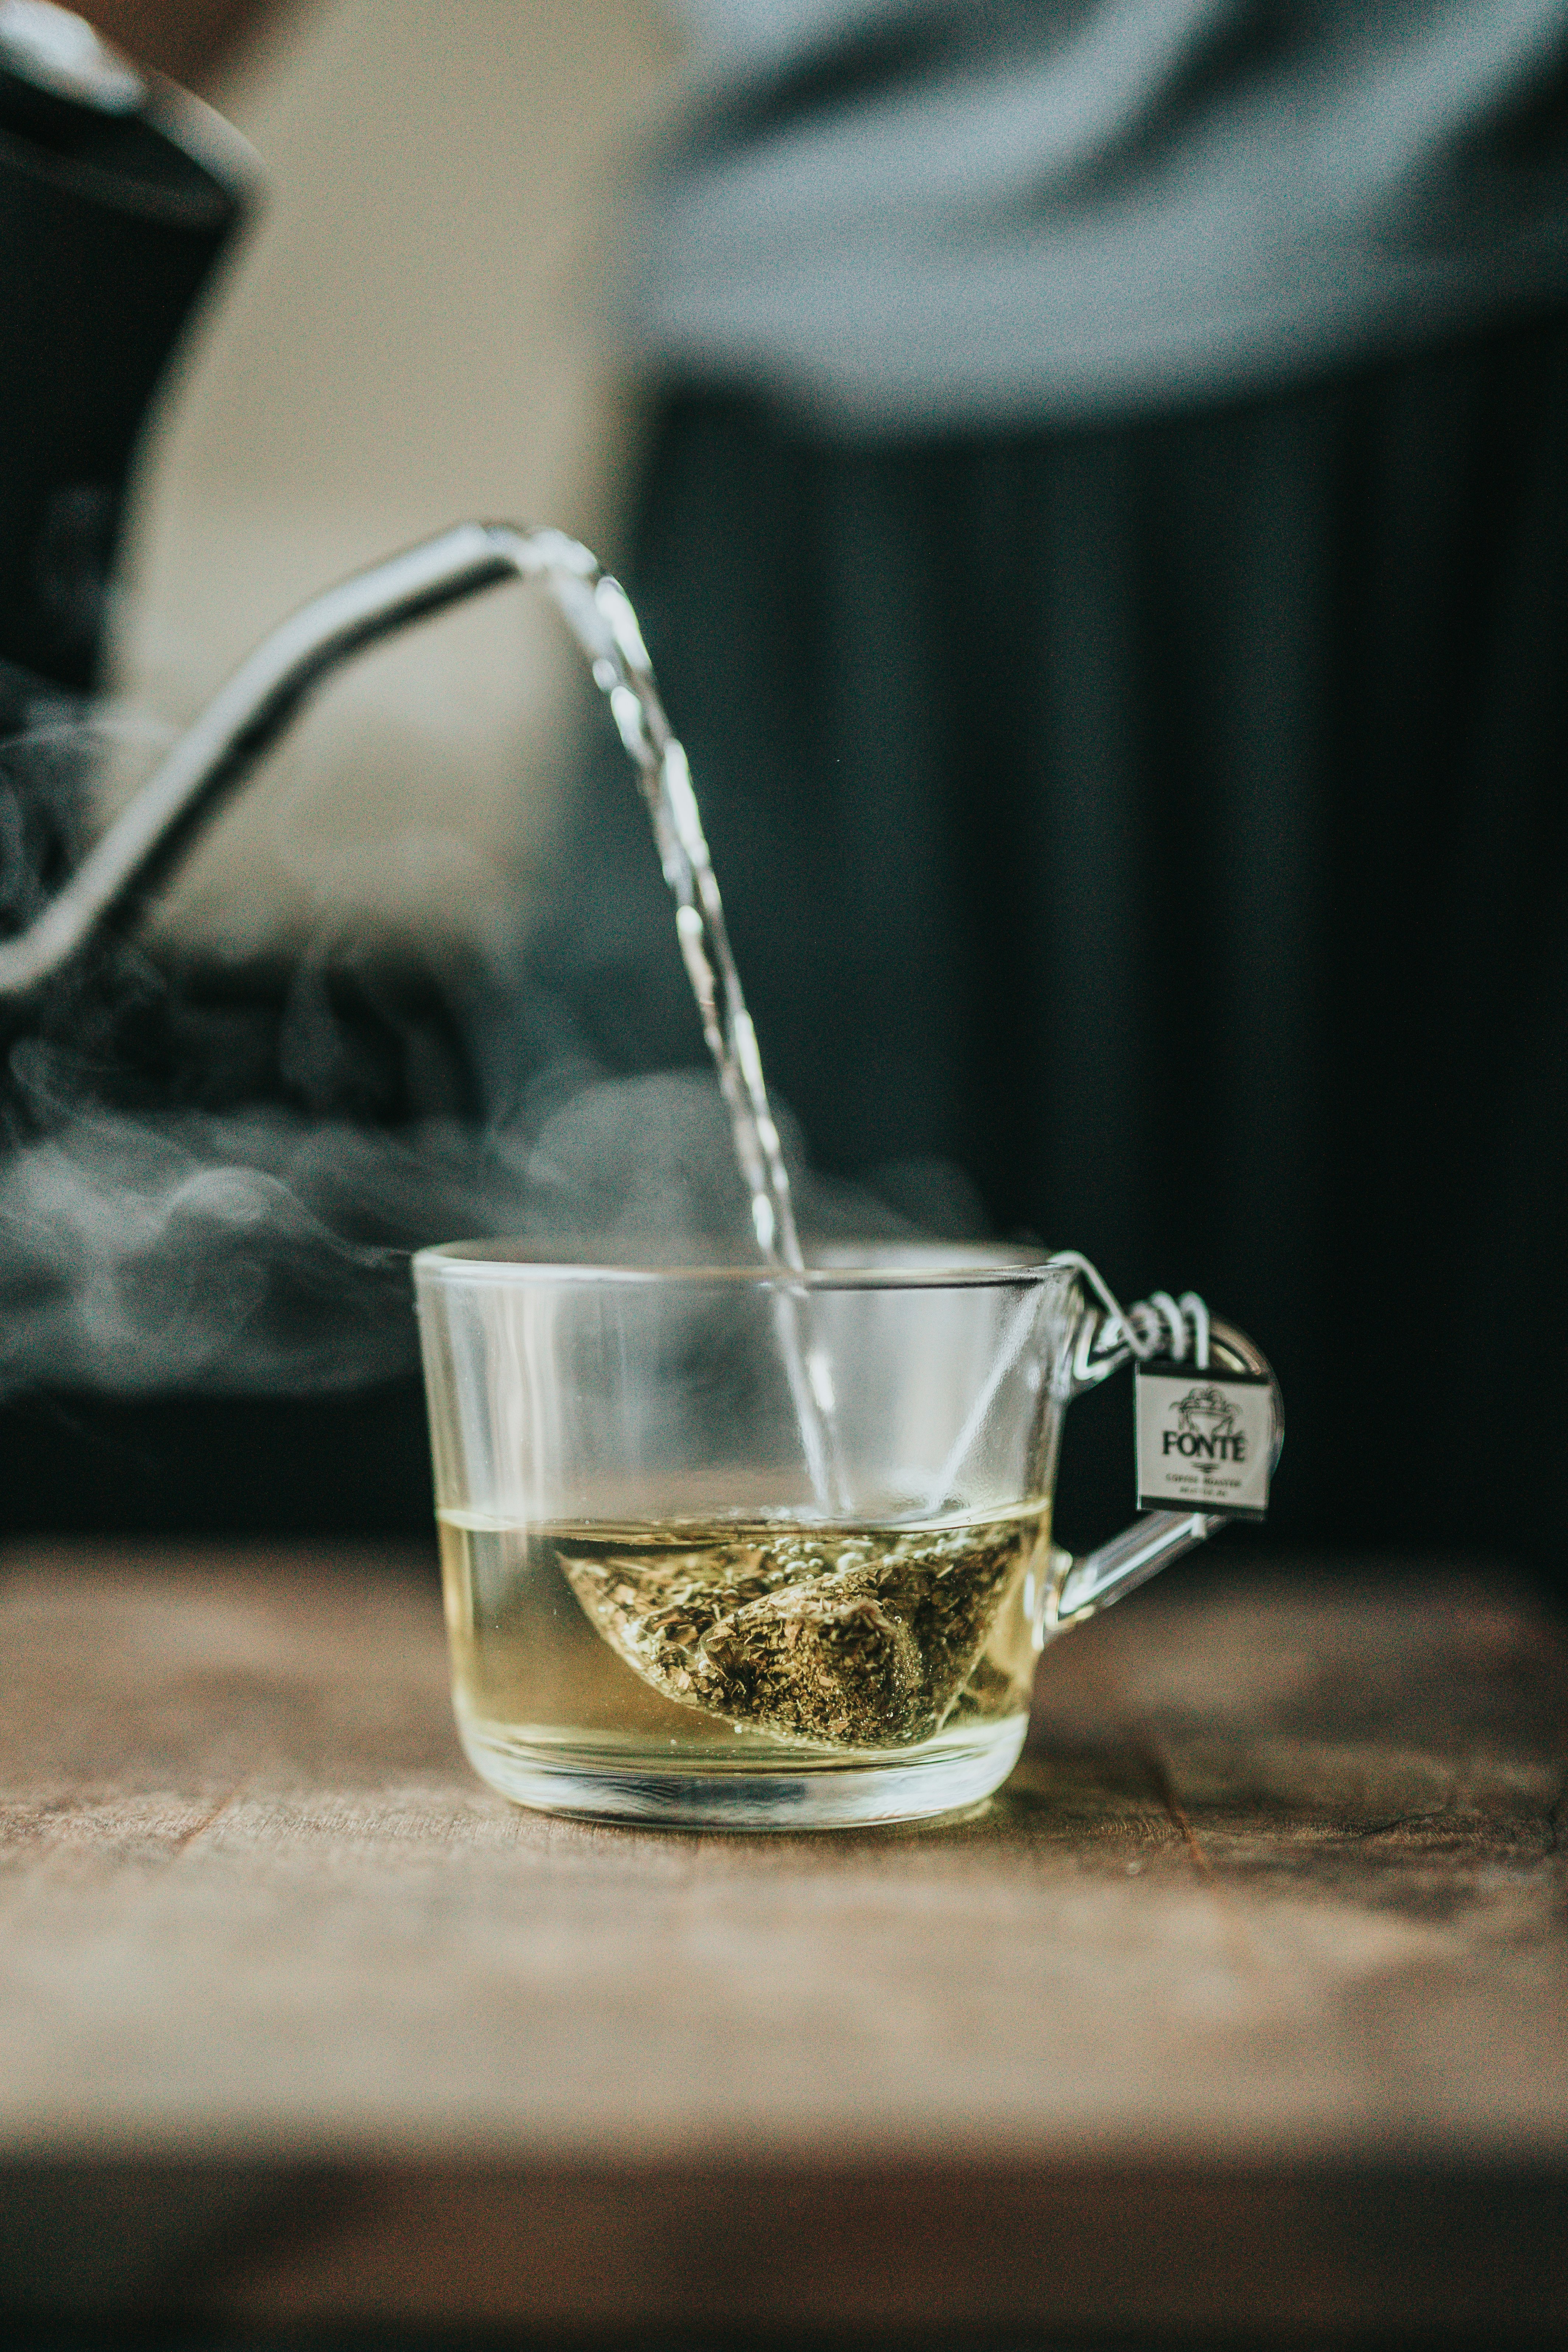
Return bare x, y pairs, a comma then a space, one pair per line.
222, 747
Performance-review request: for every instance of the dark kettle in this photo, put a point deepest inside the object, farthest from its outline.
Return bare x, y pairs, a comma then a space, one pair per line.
118, 195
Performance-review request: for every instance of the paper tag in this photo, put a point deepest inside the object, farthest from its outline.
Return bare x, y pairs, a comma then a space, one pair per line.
1203, 1439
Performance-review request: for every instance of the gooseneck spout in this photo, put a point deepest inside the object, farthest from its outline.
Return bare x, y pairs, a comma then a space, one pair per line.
215, 754
219, 750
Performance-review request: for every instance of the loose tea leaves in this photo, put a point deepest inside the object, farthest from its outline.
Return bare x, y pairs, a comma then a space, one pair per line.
859, 1638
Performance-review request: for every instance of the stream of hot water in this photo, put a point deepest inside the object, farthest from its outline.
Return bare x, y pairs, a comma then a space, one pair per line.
599, 613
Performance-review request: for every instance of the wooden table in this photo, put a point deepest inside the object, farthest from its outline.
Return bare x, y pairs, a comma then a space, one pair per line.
1246, 2005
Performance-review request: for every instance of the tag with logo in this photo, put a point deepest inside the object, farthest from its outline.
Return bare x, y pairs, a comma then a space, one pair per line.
1203, 1439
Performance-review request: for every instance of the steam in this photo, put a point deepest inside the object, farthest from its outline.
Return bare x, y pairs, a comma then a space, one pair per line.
148, 1245
258, 1253
262, 1251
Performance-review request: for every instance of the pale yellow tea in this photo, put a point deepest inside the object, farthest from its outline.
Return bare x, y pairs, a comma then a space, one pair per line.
743, 1642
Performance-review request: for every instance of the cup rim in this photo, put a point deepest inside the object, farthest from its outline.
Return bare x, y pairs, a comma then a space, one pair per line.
836, 1266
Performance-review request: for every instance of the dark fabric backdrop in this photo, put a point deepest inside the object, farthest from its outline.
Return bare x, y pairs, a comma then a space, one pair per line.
1166, 824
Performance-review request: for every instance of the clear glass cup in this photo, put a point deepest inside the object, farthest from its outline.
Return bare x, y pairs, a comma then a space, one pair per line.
745, 1547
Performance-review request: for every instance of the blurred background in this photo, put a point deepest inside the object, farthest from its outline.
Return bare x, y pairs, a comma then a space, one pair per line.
1093, 480
412, 333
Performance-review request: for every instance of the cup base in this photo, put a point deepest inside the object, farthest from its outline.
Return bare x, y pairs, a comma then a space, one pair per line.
953, 1773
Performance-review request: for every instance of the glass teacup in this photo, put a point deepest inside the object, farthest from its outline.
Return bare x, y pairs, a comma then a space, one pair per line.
669, 1601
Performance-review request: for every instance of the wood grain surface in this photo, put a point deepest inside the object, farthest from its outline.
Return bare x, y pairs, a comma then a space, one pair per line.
1244, 2003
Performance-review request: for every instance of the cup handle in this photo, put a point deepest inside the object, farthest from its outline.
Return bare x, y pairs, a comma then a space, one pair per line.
1081, 1588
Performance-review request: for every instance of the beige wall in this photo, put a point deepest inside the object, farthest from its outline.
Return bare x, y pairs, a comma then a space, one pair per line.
410, 337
